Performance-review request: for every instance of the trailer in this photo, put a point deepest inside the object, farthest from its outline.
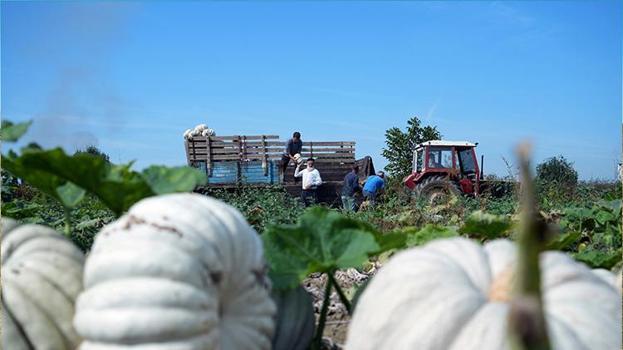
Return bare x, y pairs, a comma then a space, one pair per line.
255, 160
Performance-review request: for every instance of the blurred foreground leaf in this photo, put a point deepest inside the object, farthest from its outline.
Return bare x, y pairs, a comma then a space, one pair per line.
10, 132
321, 241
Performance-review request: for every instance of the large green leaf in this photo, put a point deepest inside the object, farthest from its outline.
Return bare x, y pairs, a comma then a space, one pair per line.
613, 206
485, 225
578, 218
163, 180
87, 171
117, 186
45, 182
12, 132
321, 241
388, 241
121, 188
70, 194
428, 233
19, 210
563, 241
598, 259
602, 217
82, 169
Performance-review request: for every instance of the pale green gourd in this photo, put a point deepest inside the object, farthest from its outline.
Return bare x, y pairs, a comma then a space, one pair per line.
453, 294
41, 279
177, 272
294, 325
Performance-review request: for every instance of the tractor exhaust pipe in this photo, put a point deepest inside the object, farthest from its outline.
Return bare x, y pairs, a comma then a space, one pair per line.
482, 166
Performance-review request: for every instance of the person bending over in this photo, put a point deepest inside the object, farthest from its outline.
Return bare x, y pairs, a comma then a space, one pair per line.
373, 187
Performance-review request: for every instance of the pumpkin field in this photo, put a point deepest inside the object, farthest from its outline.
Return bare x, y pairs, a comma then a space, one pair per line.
102, 256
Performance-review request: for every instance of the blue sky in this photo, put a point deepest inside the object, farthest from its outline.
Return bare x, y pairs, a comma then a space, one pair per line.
131, 77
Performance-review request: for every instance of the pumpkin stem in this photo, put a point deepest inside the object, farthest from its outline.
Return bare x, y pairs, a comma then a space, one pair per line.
526, 320
341, 294
317, 342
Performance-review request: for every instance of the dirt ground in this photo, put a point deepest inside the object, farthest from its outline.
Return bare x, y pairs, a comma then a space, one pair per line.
336, 327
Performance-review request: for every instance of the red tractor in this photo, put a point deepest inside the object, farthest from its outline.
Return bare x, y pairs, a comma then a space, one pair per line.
444, 168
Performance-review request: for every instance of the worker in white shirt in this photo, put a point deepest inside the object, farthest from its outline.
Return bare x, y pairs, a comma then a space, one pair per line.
311, 181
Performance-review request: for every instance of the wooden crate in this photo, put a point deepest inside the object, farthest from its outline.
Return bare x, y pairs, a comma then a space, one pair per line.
234, 172
255, 160
223, 158
210, 153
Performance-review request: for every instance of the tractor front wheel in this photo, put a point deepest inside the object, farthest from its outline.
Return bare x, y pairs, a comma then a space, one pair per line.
437, 190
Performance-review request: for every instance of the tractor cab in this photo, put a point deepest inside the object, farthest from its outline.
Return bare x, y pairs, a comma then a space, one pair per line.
449, 164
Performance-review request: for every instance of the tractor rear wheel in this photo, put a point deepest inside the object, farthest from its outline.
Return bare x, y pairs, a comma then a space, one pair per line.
437, 190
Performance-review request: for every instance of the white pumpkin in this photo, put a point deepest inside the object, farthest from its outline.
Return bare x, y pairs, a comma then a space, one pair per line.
610, 277
178, 271
207, 132
41, 278
454, 294
197, 130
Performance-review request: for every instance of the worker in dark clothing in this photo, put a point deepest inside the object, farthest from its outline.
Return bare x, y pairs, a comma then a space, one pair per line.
293, 146
350, 187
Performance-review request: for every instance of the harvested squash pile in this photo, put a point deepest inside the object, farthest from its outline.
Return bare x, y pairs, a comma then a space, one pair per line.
199, 130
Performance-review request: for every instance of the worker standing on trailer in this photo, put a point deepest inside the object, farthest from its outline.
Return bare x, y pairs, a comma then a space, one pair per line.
374, 185
293, 146
311, 181
350, 187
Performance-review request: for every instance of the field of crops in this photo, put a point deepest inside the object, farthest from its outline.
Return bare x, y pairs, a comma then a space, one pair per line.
322, 250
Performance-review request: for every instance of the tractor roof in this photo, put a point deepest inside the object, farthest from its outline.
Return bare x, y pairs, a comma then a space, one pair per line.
447, 143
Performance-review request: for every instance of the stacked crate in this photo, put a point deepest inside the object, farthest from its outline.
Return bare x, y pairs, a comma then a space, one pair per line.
254, 159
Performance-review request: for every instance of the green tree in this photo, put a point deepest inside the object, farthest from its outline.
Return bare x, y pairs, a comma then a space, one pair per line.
94, 151
559, 170
400, 144
556, 178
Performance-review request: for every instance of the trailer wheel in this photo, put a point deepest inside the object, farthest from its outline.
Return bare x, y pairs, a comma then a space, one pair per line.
437, 190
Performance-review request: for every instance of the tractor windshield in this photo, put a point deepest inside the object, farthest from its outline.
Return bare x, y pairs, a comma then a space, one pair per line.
466, 158
419, 161
440, 157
